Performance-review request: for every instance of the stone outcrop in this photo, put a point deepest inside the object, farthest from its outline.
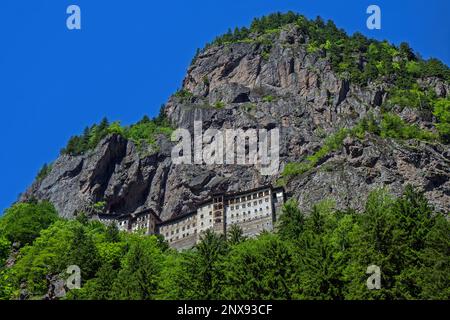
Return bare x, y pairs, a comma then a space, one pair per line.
287, 88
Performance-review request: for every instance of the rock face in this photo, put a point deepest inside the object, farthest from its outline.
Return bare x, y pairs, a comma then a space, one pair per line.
242, 86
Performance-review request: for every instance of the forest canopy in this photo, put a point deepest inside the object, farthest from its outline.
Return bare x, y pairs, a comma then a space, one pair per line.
322, 254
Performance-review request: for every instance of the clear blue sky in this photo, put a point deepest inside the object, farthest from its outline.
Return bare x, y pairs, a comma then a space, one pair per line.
131, 55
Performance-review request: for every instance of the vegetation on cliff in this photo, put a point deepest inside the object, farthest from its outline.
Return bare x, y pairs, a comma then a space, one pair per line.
361, 61
322, 255
143, 132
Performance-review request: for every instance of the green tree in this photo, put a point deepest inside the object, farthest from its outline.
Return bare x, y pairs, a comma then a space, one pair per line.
83, 253
441, 111
204, 266
5, 248
235, 235
258, 269
112, 233
23, 222
291, 222
433, 274
141, 266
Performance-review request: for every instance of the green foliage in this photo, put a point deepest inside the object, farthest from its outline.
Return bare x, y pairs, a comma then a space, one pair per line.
46, 256
7, 285
206, 259
141, 133
269, 99
23, 222
219, 105
184, 95
235, 235
332, 143
413, 97
355, 57
78, 145
441, 111
83, 253
138, 277
5, 248
258, 269
292, 220
44, 172
390, 126
392, 235
320, 255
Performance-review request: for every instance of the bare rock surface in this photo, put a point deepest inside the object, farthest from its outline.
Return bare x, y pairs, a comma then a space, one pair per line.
290, 89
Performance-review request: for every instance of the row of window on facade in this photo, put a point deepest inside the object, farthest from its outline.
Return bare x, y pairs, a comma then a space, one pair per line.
253, 196
180, 237
244, 205
249, 212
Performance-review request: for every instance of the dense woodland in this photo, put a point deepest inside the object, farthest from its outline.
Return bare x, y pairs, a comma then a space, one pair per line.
322, 254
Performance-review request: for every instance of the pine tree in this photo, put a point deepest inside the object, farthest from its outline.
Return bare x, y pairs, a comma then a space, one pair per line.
235, 235
292, 221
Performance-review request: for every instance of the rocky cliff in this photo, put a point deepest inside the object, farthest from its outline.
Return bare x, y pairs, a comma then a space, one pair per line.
244, 85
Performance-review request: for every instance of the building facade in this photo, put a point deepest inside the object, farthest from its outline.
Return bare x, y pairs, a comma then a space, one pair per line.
145, 221
254, 211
